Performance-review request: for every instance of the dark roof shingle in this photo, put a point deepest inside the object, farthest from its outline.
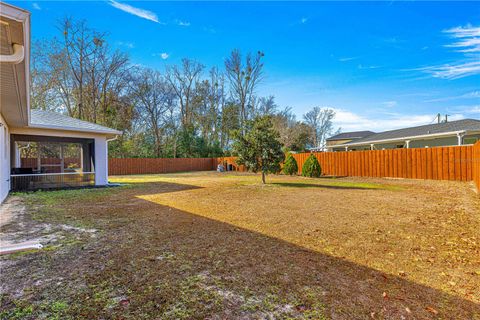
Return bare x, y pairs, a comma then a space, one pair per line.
350, 135
444, 127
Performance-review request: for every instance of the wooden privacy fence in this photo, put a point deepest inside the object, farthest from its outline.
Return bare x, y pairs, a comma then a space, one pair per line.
121, 166
476, 164
460, 163
439, 163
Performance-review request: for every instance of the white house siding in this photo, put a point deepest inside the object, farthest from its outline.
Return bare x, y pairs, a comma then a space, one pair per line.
101, 147
4, 159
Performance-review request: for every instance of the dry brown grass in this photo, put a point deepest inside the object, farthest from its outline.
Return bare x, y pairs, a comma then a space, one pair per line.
222, 246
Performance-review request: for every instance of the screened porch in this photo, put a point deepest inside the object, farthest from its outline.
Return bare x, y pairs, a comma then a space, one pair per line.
44, 162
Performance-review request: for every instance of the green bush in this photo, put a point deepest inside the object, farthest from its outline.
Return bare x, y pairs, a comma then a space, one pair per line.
311, 167
290, 166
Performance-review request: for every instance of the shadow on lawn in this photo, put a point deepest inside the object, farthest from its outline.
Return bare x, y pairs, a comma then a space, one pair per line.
326, 186
125, 260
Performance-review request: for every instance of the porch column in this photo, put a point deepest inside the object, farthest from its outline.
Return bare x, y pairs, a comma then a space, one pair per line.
101, 161
346, 148
460, 136
372, 146
407, 144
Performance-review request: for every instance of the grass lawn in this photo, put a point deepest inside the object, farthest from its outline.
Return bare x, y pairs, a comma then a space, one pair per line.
224, 246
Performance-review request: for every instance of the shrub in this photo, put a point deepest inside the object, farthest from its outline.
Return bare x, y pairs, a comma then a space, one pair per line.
311, 168
290, 166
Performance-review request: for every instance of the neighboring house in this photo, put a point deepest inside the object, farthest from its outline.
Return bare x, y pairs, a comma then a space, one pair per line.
40, 149
461, 132
346, 137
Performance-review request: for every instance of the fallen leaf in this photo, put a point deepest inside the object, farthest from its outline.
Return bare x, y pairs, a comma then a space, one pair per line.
431, 310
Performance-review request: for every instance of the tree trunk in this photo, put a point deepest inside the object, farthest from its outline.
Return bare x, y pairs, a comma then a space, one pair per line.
263, 177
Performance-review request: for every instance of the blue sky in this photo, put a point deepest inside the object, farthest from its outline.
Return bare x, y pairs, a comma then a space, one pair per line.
380, 65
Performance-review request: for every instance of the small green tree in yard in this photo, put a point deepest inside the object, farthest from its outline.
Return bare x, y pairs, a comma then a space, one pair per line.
259, 149
290, 166
311, 168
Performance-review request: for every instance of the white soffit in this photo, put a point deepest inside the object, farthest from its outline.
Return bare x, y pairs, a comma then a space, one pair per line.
14, 85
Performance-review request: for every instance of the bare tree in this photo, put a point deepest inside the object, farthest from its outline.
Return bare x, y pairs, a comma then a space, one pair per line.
81, 44
244, 76
294, 135
80, 75
320, 121
209, 101
267, 106
153, 98
183, 81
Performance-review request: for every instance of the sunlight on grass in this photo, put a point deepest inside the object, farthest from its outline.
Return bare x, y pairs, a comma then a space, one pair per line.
342, 217
202, 179
385, 225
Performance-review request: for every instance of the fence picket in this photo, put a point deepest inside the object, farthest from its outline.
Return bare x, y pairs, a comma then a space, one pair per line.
440, 163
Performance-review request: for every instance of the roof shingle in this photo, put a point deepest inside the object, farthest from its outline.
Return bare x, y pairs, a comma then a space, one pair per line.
444, 127
350, 135
54, 120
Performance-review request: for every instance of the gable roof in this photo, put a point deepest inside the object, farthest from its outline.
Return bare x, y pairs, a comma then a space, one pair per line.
420, 131
350, 135
53, 120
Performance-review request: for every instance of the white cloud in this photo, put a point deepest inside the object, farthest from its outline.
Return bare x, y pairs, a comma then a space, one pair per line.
468, 95
145, 14
350, 121
36, 6
126, 44
347, 59
303, 20
183, 23
465, 109
475, 109
389, 104
454, 71
162, 55
362, 67
466, 40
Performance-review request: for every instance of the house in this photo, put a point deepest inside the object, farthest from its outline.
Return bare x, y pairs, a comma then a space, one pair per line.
41, 149
452, 133
346, 137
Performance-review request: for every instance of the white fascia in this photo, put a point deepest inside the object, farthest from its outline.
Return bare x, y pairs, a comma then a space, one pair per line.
111, 132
